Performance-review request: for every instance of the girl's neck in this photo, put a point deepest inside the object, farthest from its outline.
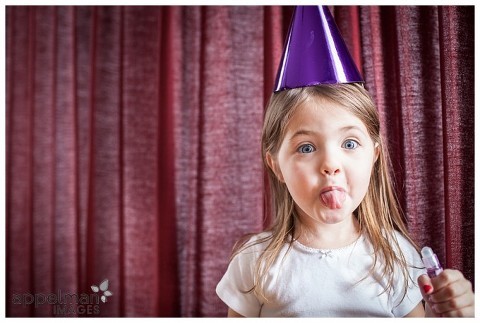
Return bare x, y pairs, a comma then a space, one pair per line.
326, 236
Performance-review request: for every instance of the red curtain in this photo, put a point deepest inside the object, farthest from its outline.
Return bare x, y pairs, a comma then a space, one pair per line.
418, 64
133, 153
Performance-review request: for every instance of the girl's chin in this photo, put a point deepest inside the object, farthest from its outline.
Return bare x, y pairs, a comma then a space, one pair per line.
328, 216
334, 216
333, 219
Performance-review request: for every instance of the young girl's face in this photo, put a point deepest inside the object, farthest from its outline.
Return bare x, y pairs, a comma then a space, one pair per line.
325, 160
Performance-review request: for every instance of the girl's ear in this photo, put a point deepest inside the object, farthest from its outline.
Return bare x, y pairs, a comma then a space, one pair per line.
272, 163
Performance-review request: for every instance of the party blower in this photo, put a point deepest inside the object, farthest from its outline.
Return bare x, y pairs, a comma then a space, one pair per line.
430, 260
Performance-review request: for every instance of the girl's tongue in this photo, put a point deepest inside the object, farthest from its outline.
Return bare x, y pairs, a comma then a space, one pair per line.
333, 199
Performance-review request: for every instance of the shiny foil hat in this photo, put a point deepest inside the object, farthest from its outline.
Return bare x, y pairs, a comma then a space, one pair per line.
315, 52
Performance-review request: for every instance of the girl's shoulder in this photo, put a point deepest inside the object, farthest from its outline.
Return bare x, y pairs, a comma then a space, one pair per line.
400, 237
248, 249
255, 242
407, 247
403, 241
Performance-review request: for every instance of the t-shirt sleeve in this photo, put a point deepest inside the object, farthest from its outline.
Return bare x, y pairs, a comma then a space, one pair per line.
404, 305
233, 289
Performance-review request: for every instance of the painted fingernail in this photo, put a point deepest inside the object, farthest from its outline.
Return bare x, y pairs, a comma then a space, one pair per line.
427, 288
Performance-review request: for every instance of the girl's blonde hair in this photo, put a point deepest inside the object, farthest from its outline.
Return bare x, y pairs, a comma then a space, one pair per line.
378, 214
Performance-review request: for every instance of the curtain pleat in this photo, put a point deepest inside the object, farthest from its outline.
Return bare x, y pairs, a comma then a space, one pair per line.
140, 157
19, 159
65, 171
347, 19
43, 115
457, 61
133, 151
169, 89
186, 130
103, 218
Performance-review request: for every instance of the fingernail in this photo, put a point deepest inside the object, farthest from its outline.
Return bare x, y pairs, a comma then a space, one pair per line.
427, 288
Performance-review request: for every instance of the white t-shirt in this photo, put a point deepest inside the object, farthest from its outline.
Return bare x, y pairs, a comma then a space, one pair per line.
311, 282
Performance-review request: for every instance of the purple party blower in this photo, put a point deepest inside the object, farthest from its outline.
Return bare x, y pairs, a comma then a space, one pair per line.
315, 52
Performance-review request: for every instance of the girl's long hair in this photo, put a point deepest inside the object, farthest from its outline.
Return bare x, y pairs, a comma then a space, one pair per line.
378, 214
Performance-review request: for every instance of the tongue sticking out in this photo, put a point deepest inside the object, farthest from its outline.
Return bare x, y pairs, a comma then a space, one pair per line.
333, 199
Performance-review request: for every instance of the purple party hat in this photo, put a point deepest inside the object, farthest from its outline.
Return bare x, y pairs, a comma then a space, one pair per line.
315, 52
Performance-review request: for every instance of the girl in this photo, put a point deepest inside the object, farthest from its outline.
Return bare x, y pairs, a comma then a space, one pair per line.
338, 245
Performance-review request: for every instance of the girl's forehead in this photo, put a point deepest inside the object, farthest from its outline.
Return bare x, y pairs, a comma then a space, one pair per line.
323, 112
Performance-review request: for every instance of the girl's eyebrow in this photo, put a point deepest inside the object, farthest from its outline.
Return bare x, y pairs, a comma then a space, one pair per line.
305, 132
302, 132
348, 128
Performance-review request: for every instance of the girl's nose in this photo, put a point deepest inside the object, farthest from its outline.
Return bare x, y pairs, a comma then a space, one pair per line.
330, 165
331, 171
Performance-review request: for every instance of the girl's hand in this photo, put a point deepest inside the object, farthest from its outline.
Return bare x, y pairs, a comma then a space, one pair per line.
447, 295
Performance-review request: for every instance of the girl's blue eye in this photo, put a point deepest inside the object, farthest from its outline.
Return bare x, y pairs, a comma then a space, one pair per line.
350, 144
306, 149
